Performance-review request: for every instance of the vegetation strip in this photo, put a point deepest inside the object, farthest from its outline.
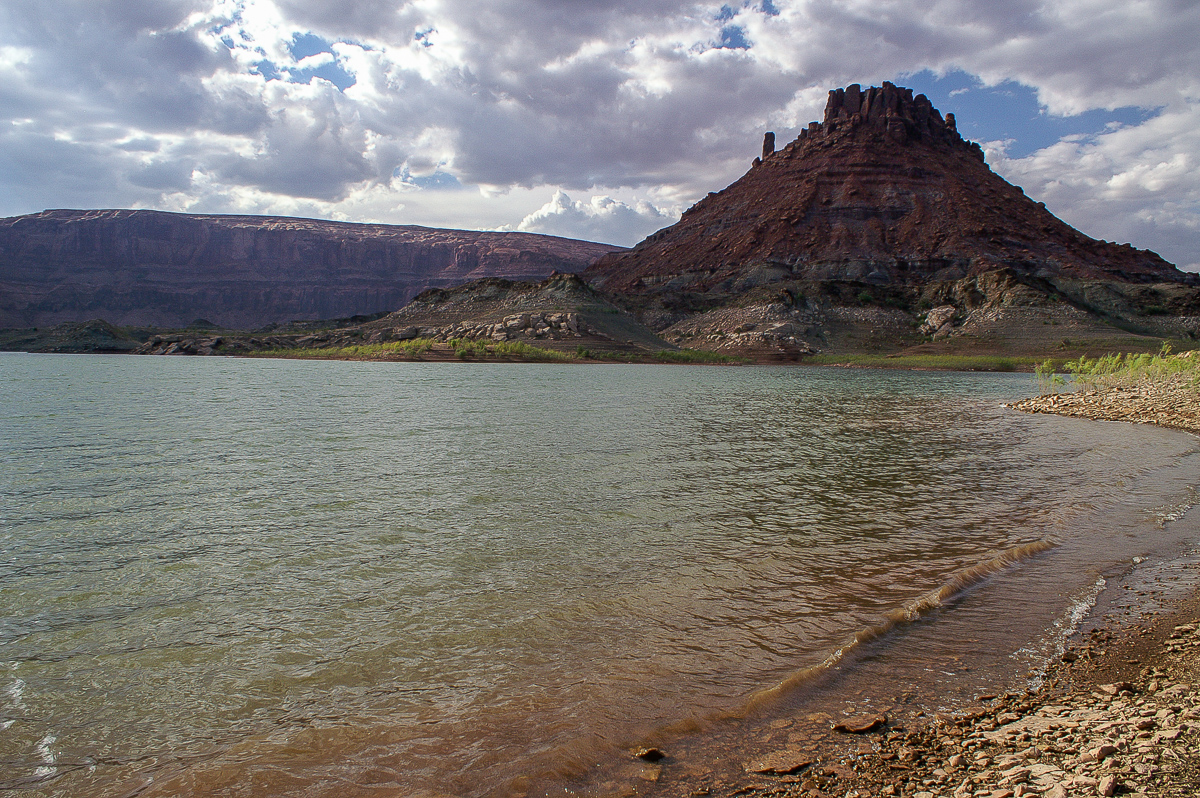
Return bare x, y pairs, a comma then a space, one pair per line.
486, 350
1162, 389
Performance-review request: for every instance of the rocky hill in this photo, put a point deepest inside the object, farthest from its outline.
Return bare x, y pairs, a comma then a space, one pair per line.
168, 270
845, 238
559, 313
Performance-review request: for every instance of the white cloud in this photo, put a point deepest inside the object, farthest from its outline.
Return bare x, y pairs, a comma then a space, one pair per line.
203, 103
1132, 184
602, 219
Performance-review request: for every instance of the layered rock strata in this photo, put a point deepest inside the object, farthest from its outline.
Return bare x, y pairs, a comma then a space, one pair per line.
884, 191
539, 327
167, 270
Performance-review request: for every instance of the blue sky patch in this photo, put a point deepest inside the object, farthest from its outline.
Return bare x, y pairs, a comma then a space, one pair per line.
733, 38
268, 70
437, 180
1010, 110
305, 44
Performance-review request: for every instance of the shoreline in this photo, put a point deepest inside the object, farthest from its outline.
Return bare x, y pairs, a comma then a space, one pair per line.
1117, 714
1086, 434
1169, 403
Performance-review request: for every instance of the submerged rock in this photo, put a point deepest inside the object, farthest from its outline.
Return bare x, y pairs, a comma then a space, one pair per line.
861, 724
650, 754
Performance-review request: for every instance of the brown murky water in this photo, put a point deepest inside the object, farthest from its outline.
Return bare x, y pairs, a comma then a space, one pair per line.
316, 579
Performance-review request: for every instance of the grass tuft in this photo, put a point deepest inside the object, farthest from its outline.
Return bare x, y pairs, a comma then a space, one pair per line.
694, 356
1125, 370
523, 351
412, 349
415, 348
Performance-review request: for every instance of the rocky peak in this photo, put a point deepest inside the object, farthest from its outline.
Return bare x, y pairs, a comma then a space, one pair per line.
889, 110
768, 145
883, 191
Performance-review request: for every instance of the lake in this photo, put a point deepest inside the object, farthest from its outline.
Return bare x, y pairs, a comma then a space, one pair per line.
246, 577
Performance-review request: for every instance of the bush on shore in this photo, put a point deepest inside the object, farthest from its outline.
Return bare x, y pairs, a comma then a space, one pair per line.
1122, 370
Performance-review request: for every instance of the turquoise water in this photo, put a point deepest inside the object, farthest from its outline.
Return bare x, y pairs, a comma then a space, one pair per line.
246, 577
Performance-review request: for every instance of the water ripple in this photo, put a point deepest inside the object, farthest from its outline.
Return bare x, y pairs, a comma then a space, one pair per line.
313, 575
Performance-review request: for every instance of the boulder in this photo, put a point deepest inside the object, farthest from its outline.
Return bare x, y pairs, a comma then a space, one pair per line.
937, 318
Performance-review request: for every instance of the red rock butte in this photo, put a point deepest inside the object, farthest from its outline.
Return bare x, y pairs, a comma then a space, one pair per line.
883, 191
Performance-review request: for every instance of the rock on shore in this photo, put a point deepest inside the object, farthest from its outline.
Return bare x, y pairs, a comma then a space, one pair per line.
1137, 737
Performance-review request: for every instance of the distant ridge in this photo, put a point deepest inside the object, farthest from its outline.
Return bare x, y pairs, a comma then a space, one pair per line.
137, 267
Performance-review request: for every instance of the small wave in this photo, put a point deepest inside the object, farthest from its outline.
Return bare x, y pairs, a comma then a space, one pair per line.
907, 614
1064, 627
1173, 512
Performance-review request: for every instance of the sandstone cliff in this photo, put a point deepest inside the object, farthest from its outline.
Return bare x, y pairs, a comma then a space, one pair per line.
164, 269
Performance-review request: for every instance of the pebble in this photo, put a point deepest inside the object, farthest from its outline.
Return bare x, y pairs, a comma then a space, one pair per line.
1171, 402
1085, 741
860, 725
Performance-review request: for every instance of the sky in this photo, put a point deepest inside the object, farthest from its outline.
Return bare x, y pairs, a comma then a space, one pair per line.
594, 119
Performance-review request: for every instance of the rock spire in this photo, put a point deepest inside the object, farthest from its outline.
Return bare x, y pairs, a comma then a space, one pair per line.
891, 109
768, 145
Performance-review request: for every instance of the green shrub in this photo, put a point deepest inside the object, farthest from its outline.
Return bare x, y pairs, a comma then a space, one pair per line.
467, 350
1048, 378
1123, 370
523, 351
